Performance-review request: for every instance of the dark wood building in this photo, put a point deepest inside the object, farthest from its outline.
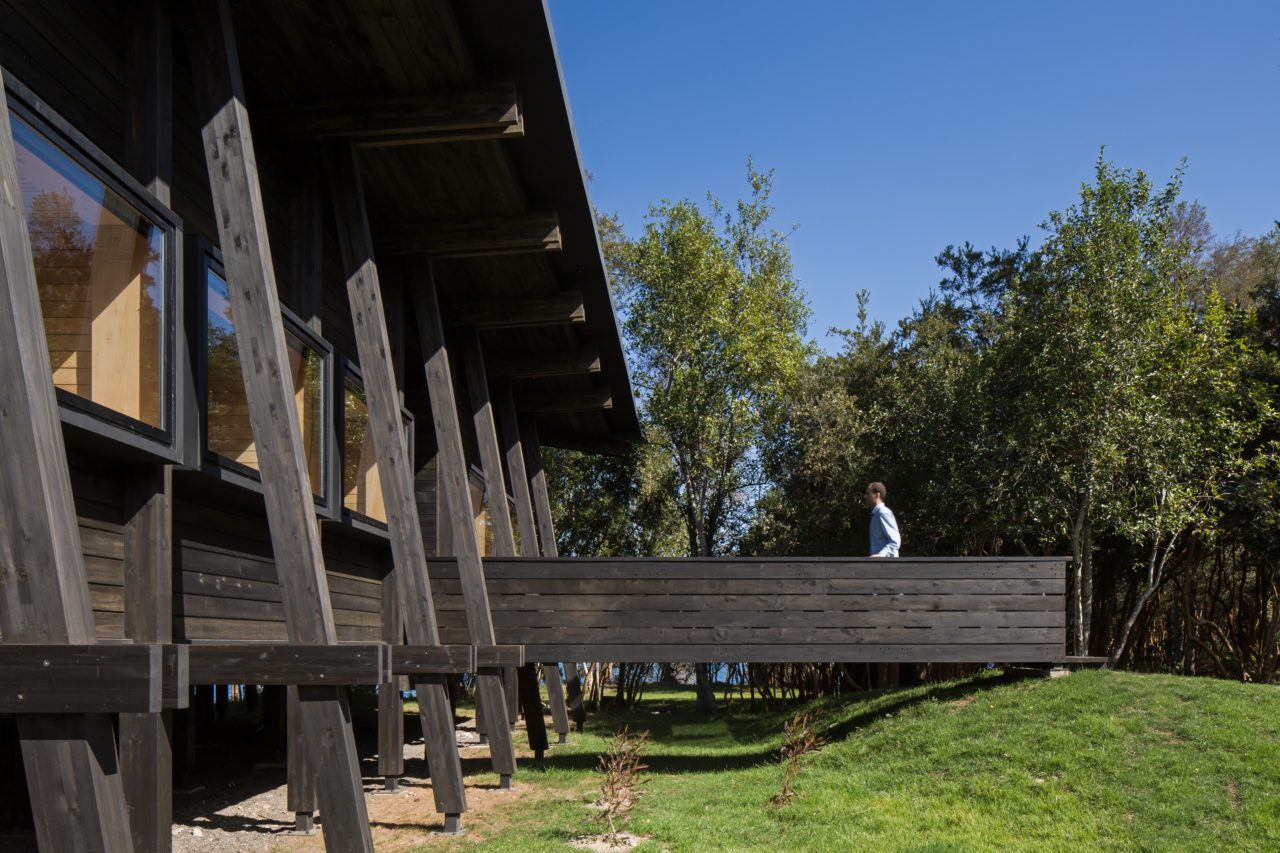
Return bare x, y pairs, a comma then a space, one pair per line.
314, 283
264, 434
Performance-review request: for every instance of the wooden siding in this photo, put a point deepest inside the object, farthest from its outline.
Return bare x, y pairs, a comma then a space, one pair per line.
820, 609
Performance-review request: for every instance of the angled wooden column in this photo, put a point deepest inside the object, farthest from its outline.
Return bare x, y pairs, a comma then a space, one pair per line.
146, 740
77, 796
513, 450
412, 585
453, 482
324, 714
547, 534
522, 682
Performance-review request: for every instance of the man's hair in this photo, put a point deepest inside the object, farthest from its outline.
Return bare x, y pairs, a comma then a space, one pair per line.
877, 489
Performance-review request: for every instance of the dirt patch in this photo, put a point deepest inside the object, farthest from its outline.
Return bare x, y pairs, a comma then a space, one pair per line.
964, 702
252, 814
1233, 794
601, 844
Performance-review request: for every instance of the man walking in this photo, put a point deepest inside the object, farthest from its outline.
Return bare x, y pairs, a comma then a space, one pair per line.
885, 539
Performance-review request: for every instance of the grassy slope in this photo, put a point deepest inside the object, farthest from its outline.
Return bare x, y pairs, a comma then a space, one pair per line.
1095, 760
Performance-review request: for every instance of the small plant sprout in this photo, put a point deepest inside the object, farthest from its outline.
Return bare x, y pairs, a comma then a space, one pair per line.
621, 786
800, 737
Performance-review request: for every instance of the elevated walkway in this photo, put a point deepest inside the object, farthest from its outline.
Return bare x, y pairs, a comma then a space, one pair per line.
769, 610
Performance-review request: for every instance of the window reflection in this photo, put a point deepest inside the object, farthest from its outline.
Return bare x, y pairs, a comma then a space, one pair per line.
99, 269
229, 432
361, 487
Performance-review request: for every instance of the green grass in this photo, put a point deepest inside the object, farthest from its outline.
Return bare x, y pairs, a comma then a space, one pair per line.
1098, 760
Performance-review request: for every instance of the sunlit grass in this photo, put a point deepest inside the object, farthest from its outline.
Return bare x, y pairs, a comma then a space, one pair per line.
1096, 760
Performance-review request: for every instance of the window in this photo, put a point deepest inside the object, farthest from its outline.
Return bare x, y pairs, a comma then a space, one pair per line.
102, 255
361, 479
361, 486
228, 434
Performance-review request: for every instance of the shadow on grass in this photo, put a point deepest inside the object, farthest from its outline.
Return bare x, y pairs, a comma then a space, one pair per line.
758, 727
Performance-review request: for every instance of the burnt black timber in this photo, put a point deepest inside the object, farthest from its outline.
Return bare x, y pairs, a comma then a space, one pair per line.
537, 365
793, 618
285, 663
499, 586
477, 238
531, 402
457, 498
76, 792
306, 249
300, 795
390, 701
325, 718
806, 653
432, 660
496, 657
530, 703
513, 451
556, 699
538, 486
730, 603
483, 113
563, 308
95, 678
146, 740
413, 588
486, 430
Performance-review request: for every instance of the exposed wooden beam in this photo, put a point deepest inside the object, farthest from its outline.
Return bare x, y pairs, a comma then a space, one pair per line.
564, 402
511, 236
283, 663
364, 294
324, 716
484, 113
535, 365
524, 680
554, 309
77, 797
457, 502
146, 740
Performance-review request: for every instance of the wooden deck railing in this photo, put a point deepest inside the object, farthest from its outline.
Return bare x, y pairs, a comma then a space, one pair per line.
770, 610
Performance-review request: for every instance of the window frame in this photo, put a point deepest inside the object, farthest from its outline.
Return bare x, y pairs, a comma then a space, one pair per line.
207, 258
348, 369
82, 415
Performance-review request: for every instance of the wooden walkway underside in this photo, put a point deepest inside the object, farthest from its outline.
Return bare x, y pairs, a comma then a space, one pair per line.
769, 610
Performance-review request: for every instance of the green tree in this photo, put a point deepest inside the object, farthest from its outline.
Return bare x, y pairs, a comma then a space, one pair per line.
715, 324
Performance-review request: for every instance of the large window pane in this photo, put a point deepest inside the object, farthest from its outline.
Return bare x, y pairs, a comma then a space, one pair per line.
229, 431
361, 488
99, 268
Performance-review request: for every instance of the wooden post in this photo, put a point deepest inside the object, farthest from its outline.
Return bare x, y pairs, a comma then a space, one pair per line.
513, 450
504, 538
237, 201
146, 740
300, 794
412, 585
77, 796
453, 481
547, 534
390, 703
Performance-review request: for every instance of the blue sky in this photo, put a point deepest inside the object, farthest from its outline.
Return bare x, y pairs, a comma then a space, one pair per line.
897, 128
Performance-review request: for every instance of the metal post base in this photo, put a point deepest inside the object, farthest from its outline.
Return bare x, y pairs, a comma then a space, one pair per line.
538, 755
390, 785
564, 738
504, 782
452, 824
304, 823
484, 738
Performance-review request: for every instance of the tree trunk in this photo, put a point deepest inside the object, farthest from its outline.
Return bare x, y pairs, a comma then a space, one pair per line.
1155, 567
706, 695
1075, 620
1086, 586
